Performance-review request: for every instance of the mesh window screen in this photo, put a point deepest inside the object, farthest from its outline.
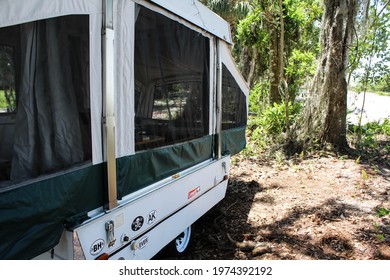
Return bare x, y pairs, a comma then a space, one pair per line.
172, 82
234, 113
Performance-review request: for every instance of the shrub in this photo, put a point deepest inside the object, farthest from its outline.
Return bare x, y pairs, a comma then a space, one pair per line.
267, 127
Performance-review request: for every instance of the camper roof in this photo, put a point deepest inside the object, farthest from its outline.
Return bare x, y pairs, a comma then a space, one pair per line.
19, 11
198, 14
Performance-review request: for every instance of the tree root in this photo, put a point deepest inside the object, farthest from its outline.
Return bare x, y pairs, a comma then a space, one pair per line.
256, 248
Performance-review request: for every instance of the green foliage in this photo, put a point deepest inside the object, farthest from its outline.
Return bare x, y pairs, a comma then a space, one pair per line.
242, 8
304, 16
266, 128
381, 212
371, 131
375, 128
267, 124
258, 97
378, 230
252, 32
301, 25
301, 64
381, 84
3, 101
370, 53
381, 237
371, 139
7, 82
302, 31
274, 117
230, 10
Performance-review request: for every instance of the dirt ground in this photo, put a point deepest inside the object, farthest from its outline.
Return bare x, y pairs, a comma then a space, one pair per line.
321, 207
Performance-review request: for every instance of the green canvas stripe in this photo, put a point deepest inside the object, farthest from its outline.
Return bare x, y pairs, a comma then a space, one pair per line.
142, 169
233, 140
32, 217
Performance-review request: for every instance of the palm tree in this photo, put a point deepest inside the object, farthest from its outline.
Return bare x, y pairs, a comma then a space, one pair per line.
231, 10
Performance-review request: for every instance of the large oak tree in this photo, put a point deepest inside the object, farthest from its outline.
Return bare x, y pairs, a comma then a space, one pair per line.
326, 105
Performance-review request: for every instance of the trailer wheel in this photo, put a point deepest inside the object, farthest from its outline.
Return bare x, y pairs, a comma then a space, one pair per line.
181, 244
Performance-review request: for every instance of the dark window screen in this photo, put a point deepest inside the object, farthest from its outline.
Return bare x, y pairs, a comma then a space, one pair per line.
234, 113
44, 83
7, 80
172, 81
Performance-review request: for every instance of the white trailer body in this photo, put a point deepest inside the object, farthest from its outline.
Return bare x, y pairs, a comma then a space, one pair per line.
117, 122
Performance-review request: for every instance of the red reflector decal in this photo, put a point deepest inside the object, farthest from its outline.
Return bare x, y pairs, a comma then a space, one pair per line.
193, 192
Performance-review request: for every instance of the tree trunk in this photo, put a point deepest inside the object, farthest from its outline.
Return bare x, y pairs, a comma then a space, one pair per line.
245, 58
326, 105
274, 96
249, 61
283, 86
252, 77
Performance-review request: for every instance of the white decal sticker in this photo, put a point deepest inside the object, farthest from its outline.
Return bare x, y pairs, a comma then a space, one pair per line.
152, 217
193, 192
97, 247
143, 242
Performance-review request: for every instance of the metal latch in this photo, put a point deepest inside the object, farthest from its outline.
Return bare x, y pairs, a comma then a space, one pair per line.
224, 167
110, 233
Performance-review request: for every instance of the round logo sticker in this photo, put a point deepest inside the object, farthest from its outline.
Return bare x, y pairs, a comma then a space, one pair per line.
97, 247
137, 223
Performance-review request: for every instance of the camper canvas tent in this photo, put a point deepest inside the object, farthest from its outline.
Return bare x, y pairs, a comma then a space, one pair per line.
132, 125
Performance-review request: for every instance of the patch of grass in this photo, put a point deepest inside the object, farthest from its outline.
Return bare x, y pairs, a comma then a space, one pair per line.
382, 93
381, 212
381, 237
370, 140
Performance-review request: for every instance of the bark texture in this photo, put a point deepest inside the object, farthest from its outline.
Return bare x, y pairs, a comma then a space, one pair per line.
326, 106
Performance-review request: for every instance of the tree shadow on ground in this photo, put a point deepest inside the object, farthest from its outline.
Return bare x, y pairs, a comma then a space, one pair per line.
285, 237
330, 246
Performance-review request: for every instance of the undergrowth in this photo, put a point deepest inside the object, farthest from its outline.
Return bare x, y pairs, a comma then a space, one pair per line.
268, 127
266, 135
371, 140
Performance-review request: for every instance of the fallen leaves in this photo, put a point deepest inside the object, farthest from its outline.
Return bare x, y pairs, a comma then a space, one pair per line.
313, 208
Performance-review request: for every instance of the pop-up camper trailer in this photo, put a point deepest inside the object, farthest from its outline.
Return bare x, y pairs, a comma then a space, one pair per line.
117, 122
